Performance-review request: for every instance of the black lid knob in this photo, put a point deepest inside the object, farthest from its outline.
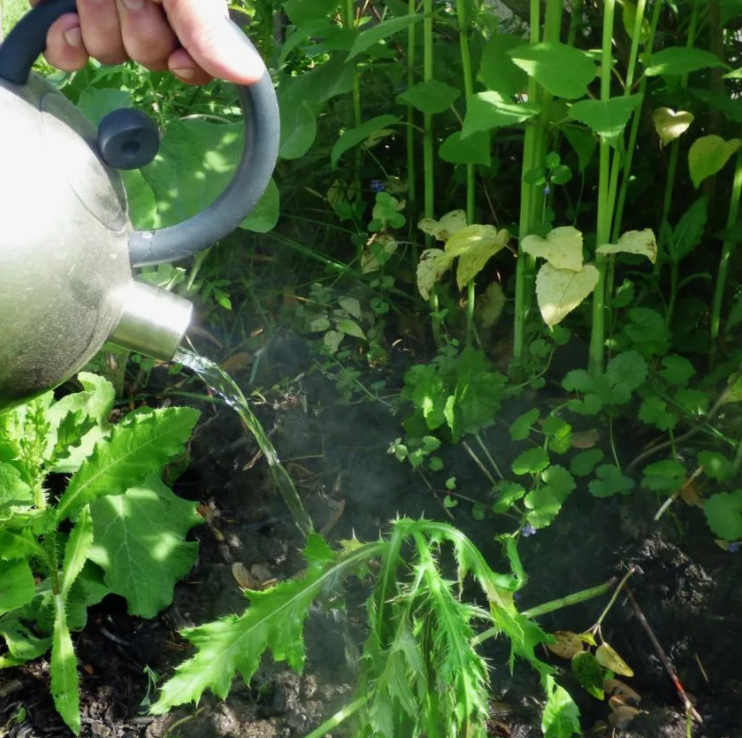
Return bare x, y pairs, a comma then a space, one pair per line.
128, 139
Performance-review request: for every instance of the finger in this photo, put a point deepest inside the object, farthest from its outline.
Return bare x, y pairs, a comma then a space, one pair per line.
146, 33
213, 41
101, 30
65, 48
182, 65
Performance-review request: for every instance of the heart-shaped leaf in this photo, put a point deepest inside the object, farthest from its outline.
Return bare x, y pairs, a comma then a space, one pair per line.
642, 243
670, 124
487, 110
434, 263
607, 118
681, 60
475, 245
708, 155
562, 248
443, 229
560, 291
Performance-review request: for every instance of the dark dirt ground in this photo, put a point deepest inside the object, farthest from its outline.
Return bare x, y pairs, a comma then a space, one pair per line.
688, 588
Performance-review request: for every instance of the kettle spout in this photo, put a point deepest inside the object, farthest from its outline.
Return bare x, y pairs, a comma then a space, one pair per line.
153, 321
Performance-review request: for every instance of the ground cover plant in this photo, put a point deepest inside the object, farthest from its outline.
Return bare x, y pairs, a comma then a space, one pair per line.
501, 241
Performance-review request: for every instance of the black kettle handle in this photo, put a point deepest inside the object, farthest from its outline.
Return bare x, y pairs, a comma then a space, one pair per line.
25, 43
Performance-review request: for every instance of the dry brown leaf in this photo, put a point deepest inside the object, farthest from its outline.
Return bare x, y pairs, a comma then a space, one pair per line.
567, 644
617, 688
237, 362
585, 439
622, 717
243, 577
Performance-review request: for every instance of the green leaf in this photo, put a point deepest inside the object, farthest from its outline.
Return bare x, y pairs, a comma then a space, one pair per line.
266, 212
559, 481
488, 110
496, 68
584, 462
97, 102
678, 60
76, 551
723, 513
350, 328
589, 673
584, 144
507, 494
366, 39
140, 544
16, 585
522, 426
678, 370
610, 481
474, 245
533, 461
20, 545
689, 230
653, 411
716, 466
629, 21
475, 149
137, 448
301, 12
562, 70
141, 200
275, 620
14, 492
431, 96
648, 332
561, 716
559, 433
543, 506
607, 118
298, 128
708, 155
693, 401
354, 136
664, 476
578, 380
63, 669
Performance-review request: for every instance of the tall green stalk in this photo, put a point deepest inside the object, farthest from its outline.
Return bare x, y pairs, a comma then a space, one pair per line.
597, 336
410, 141
468, 92
349, 11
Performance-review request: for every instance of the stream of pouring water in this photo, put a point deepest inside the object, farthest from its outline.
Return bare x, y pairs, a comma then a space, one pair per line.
220, 382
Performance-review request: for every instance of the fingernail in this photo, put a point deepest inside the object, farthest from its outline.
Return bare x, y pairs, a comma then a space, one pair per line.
185, 72
133, 4
73, 36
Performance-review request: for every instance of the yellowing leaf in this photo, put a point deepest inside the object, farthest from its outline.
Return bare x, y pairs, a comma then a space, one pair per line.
708, 155
671, 125
609, 659
560, 291
567, 644
490, 305
434, 263
444, 228
642, 243
562, 248
475, 245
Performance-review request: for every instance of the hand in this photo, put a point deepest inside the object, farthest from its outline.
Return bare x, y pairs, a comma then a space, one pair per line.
194, 39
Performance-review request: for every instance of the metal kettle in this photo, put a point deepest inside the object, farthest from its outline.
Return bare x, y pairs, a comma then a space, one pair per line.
67, 246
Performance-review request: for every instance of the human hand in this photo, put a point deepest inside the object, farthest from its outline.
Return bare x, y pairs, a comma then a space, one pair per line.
194, 39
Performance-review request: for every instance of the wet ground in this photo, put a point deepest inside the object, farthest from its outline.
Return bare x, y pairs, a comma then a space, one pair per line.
687, 587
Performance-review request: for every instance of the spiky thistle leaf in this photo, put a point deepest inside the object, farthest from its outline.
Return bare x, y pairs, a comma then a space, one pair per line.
64, 677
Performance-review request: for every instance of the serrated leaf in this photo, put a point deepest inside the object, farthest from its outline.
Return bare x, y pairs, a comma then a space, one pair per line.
653, 411
559, 481
560, 291
522, 425
434, 263
19, 545
431, 96
16, 585
677, 60
708, 155
678, 370
583, 463
723, 513
562, 248
642, 243
561, 69
608, 658
14, 492
607, 118
566, 644
488, 110
664, 476
444, 228
507, 494
577, 380
670, 124
533, 461
63, 670
366, 39
136, 449
274, 620
628, 369
610, 481
561, 716
354, 136
716, 466
76, 551
589, 673
139, 542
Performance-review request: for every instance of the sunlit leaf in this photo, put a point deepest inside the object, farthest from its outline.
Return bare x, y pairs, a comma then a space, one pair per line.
642, 243
497, 70
708, 155
366, 39
444, 228
566, 644
354, 136
677, 60
562, 248
488, 110
561, 69
607, 118
670, 124
560, 291
434, 263
608, 658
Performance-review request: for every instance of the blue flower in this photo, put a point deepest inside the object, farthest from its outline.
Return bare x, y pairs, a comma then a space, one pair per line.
733, 548
377, 185
528, 530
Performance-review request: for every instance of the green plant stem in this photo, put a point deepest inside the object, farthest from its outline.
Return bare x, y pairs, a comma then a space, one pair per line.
612, 601
349, 13
574, 21
597, 335
410, 139
339, 717
573, 599
727, 251
525, 264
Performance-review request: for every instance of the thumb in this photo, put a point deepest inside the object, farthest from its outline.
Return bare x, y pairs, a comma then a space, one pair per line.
216, 44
